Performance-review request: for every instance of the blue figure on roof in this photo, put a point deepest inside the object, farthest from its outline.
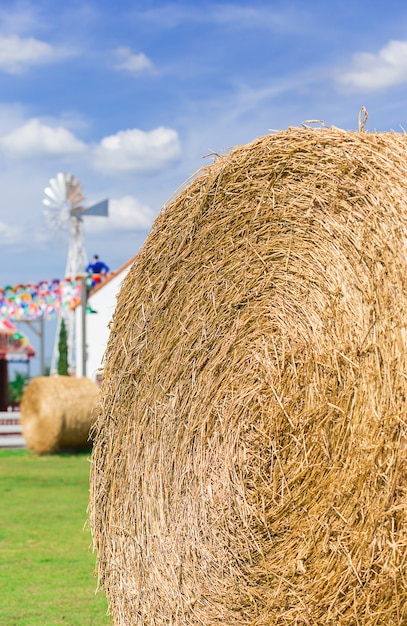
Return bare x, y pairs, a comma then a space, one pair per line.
97, 268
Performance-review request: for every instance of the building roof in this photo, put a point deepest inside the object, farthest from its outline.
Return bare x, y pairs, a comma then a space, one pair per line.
14, 345
99, 285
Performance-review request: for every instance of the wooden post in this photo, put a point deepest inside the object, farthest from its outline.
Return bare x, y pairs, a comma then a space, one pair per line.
3, 385
84, 304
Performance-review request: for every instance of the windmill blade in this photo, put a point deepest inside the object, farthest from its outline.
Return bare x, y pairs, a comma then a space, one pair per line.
74, 191
53, 197
62, 177
63, 197
101, 208
59, 182
58, 185
56, 192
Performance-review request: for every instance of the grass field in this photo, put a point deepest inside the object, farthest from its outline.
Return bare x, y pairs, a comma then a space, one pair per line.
46, 562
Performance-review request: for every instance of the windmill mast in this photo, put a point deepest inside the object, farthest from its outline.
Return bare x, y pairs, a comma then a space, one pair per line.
77, 258
64, 197
75, 266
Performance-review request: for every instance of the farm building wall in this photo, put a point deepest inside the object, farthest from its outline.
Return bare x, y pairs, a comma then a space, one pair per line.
101, 302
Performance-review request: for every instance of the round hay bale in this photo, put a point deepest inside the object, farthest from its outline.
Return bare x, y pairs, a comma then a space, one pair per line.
249, 461
56, 413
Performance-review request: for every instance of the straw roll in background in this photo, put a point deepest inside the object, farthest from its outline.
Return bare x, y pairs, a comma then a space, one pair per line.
56, 413
249, 462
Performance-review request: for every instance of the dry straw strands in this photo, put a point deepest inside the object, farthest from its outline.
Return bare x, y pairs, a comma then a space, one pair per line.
56, 413
249, 463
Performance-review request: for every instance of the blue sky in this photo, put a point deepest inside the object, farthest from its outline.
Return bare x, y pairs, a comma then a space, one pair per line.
131, 96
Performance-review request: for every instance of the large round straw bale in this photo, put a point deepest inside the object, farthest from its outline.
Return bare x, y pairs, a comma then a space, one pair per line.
56, 413
249, 462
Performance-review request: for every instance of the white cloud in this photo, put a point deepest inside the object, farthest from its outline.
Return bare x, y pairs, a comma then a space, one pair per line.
17, 53
125, 214
126, 151
135, 149
36, 138
378, 71
133, 63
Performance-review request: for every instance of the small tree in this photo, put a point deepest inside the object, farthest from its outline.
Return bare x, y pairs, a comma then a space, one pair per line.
16, 387
63, 366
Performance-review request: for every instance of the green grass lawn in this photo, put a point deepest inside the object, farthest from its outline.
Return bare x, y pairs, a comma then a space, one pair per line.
46, 562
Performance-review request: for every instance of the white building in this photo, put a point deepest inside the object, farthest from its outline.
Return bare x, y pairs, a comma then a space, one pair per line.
100, 308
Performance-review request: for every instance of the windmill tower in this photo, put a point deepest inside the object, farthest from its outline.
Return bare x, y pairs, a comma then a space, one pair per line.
65, 211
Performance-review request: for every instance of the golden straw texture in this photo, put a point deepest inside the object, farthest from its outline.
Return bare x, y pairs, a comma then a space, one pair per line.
249, 461
56, 413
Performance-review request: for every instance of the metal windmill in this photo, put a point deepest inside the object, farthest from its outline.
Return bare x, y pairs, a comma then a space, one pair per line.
65, 211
